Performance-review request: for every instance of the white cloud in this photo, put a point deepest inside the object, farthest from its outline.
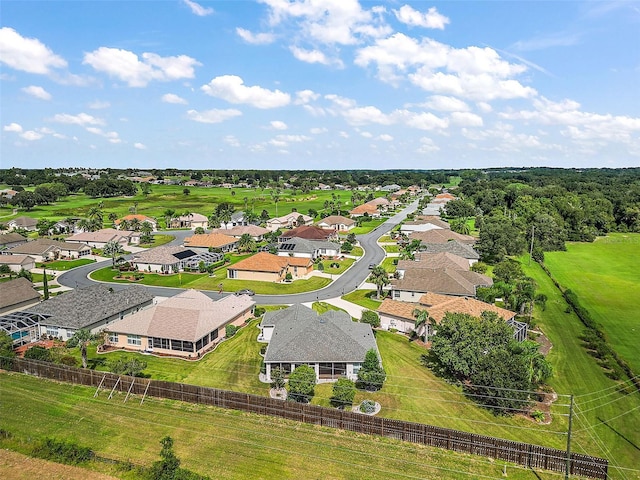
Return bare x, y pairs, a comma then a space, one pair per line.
427, 145
423, 121
99, 105
213, 116
366, 115
255, 38
27, 54
13, 127
139, 146
385, 137
197, 9
484, 107
366, 134
80, 119
138, 72
231, 140
305, 96
113, 137
466, 119
560, 39
318, 130
173, 98
333, 22
232, 89
314, 56
37, 92
278, 125
340, 102
31, 135
443, 103
431, 19
343, 134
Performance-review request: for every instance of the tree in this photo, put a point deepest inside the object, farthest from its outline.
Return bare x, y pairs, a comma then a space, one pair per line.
145, 229
168, 467
81, 339
499, 237
379, 277
370, 317
38, 353
44, 227
25, 274
186, 191
112, 249
45, 284
96, 215
24, 199
168, 215
302, 382
422, 320
461, 226
199, 231
6, 350
246, 243
132, 367
371, 375
344, 391
278, 378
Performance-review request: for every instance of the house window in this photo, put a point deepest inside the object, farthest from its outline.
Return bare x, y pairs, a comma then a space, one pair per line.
134, 340
213, 335
113, 337
52, 331
356, 368
396, 294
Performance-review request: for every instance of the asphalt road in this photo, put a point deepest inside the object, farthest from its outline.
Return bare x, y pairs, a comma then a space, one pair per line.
347, 282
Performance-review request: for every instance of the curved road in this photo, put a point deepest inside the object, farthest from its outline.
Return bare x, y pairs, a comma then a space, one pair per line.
347, 282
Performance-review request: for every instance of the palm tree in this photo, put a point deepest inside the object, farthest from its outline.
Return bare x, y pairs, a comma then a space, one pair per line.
81, 339
422, 320
112, 249
168, 215
379, 277
246, 243
113, 216
275, 195
96, 215
134, 224
461, 226
146, 228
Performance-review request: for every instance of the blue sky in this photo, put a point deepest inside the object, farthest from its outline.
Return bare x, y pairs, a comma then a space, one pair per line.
319, 84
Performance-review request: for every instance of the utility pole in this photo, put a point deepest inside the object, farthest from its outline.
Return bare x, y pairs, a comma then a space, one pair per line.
568, 467
533, 229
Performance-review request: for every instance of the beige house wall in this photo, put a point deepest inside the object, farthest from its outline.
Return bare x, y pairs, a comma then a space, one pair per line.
258, 276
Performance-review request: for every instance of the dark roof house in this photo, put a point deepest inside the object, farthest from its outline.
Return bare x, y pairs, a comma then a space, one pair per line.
17, 294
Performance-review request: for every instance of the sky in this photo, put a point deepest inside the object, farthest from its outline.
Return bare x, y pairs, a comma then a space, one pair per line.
319, 84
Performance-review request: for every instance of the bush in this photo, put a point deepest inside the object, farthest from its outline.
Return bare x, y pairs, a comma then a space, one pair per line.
302, 382
5, 268
368, 406
230, 330
370, 317
62, 451
344, 391
69, 361
537, 415
258, 311
277, 378
38, 353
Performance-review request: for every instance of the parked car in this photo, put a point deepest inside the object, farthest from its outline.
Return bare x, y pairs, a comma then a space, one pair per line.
246, 291
372, 266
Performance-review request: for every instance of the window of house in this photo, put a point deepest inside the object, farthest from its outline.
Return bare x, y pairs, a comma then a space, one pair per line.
52, 331
113, 337
134, 340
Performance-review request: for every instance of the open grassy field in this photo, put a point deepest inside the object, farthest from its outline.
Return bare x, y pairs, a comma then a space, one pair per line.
608, 285
223, 444
200, 200
61, 265
607, 415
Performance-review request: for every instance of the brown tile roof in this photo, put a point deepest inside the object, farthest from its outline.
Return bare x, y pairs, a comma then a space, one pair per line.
441, 235
188, 316
364, 208
141, 219
209, 240
447, 196
17, 291
267, 262
441, 280
439, 305
43, 245
309, 232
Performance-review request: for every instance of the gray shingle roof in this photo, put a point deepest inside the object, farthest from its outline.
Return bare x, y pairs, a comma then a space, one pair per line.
11, 237
17, 291
42, 245
445, 281
461, 249
86, 306
302, 336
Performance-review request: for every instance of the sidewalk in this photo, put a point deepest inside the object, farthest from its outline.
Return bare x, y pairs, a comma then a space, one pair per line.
352, 309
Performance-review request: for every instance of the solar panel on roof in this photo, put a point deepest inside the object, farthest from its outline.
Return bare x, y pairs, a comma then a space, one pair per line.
184, 254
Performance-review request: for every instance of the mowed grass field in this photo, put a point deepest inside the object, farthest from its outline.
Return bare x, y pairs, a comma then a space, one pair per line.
223, 444
607, 412
201, 200
605, 275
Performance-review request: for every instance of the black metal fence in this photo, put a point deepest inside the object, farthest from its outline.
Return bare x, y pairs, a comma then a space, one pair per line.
534, 456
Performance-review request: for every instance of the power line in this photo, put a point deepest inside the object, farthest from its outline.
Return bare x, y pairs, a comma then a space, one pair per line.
603, 404
602, 422
616, 386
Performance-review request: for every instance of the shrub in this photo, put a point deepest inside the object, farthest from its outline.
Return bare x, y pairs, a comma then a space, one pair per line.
368, 406
62, 451
370, 317
230, 330
344, 391
302, 382
38, 353
537, 415
69, 361
277, 378
258, 311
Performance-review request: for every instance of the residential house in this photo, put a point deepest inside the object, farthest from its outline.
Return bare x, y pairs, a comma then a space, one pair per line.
92, 308
433, 261
400, 315
100, 238
185, 325
446, 281
11, 239
267, 267
331, 343
23, 223
366, 209
337, 223
424, 223
309, 232
17, 294
300, 247
456, 248
140, 218
256, 232
43, 249
290, 220
391, 188
210, 241
18, 262
432, 209
8, 193
441, 235
191, 220
173, 259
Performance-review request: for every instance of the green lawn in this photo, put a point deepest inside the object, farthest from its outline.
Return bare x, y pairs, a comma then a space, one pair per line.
158, 240
367, 226
223, 444
391, 248
576, 372
608, 286
364, 298
202, 281
342, 265
356, 251
388, 264
65, 264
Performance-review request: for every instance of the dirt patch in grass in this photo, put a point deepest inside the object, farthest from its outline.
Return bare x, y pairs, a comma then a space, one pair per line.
21, 467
